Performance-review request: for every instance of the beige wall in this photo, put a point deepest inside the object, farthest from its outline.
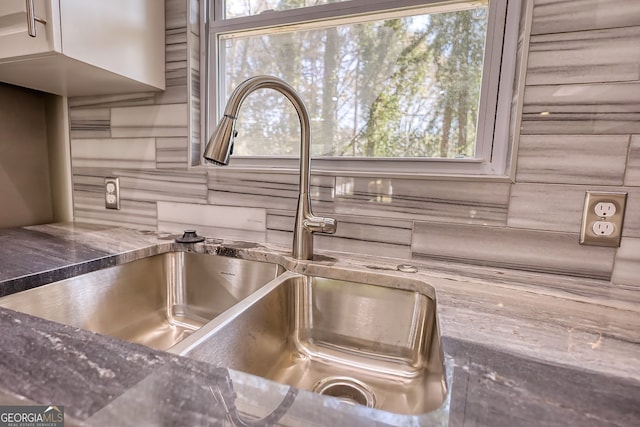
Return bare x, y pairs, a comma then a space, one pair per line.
25, 190
57, 112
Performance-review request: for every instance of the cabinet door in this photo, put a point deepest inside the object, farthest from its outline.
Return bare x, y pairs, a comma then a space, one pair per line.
15, 41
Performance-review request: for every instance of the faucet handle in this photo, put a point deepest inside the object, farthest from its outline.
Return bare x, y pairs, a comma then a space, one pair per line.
321, 224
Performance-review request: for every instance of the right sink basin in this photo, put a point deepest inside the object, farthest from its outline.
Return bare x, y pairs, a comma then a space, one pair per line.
374, 345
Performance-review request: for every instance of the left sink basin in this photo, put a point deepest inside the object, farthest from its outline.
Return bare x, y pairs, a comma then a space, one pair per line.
156, 301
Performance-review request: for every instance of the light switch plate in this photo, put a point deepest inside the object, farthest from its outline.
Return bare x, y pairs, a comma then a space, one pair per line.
112, 193
602, 218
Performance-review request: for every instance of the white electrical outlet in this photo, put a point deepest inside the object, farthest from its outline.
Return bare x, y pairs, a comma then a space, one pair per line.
605, 209
112, 193
602, 218
603, 228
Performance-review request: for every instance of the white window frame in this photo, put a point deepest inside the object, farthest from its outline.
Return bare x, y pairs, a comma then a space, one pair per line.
493, 145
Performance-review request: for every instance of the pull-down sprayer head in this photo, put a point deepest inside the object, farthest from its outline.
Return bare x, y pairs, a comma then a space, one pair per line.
220, 145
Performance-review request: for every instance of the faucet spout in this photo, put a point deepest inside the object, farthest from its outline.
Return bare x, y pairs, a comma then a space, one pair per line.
220, 145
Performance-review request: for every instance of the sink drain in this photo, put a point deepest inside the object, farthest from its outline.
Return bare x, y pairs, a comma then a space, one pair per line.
347, 389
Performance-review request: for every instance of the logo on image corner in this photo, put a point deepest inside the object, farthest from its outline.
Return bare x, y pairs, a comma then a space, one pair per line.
32, 416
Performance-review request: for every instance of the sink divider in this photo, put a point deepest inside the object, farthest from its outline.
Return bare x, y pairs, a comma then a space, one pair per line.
184, 347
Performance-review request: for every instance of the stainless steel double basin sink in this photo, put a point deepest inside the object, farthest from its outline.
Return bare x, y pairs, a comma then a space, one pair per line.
370, 343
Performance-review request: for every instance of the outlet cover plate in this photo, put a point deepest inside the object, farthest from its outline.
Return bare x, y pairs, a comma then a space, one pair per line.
112, 193
589, 217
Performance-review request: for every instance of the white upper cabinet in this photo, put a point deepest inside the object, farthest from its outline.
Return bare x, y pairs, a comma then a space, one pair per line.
14, 28
83, 47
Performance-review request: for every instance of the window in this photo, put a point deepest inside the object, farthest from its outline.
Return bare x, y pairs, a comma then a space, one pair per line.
414, 86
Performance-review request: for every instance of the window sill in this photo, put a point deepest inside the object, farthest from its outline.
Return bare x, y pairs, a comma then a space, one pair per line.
439, 169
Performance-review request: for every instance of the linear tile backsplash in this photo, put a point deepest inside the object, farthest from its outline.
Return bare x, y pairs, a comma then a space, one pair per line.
583, 72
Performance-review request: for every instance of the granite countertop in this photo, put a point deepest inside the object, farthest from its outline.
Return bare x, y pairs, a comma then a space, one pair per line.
518, 355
